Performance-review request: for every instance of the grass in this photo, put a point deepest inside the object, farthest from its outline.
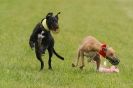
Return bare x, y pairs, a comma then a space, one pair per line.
110, 21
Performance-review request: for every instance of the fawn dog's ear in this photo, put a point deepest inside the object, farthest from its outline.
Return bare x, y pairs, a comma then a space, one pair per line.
57, 15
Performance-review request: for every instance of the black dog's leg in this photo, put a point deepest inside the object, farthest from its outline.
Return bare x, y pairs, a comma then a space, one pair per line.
50, 51
39, 56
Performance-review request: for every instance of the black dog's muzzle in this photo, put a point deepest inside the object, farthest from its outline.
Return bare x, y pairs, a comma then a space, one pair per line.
114, 61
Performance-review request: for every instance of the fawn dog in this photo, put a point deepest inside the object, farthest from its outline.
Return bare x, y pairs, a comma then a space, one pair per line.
92, 48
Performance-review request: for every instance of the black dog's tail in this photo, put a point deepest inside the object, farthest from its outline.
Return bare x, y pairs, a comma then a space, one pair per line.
58, 55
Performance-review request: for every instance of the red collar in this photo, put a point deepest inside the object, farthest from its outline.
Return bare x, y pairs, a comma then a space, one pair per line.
102, 51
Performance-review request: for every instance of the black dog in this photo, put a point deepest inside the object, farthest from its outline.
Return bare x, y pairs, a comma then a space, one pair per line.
42, 39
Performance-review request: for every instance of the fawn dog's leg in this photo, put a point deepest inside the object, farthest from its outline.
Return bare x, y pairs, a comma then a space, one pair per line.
98, 61
82, 59
76, 60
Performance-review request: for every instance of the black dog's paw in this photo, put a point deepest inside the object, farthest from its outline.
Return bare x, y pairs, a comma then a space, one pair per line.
50, 68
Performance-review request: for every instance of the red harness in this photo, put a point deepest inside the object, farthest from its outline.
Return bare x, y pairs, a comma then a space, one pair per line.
102, 50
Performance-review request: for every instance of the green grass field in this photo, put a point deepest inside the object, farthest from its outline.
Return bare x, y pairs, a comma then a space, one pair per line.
110, 21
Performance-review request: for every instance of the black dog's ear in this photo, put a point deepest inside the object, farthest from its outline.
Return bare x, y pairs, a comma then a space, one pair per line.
57, 15
49, 15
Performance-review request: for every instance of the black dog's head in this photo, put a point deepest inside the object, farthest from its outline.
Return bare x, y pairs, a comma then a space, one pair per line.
111, 57
52, 22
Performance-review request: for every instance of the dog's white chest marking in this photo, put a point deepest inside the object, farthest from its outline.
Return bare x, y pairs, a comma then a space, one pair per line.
40, 37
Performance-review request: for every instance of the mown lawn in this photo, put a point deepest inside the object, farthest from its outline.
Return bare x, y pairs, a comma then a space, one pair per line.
110, 21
